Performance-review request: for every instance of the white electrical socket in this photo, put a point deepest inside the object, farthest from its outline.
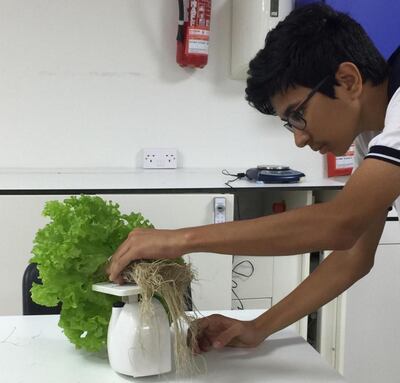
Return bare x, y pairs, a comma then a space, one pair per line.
160, 158
219, 210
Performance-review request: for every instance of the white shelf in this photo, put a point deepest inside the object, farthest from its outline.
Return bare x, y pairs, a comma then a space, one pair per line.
139, 179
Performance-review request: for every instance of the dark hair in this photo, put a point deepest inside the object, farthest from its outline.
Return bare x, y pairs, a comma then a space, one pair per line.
308, 45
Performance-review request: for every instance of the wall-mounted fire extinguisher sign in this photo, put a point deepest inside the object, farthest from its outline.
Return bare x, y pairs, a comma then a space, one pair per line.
341, 165
193, 33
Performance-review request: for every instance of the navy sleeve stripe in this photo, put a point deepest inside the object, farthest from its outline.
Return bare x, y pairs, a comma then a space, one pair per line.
383, 158
386, 151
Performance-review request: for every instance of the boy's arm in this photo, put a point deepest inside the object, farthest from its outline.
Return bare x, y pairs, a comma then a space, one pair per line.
334, 225
333, 276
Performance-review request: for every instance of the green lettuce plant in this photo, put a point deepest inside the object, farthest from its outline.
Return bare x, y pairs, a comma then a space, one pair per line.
72, 251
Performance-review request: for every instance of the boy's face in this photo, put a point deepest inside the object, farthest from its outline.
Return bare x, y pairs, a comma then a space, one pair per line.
331, 124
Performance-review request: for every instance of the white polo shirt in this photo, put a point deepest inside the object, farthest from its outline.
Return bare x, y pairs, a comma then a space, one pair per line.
384, 145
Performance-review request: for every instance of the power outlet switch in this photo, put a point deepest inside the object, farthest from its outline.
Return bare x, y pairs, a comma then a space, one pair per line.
219, 210
160, 158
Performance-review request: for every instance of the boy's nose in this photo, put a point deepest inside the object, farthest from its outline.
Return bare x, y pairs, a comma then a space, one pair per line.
301, 138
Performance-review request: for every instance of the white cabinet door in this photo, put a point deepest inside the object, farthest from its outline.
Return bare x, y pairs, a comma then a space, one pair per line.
372, 346
355, 336
21, 218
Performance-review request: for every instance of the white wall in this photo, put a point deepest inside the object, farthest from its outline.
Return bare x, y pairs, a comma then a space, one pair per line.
88, 83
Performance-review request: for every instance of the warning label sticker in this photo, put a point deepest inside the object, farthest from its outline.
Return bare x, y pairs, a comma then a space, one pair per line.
198, 47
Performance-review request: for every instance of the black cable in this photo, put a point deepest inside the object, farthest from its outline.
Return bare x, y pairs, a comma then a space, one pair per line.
241, 307
237, 176
241, 274
235, 284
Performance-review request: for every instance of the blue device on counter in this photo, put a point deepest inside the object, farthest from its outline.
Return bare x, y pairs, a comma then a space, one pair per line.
271, 174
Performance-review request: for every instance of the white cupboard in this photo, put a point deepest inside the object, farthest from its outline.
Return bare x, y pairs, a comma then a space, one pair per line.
223, 281
372, 347
21, 218
358, 332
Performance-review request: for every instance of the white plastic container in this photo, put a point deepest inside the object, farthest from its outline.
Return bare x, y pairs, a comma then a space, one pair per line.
136, 348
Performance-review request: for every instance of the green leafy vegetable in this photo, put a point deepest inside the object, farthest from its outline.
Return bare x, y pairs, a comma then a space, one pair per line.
72, 252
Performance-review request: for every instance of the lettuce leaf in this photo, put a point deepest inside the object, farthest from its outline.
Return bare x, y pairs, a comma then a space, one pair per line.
72, 252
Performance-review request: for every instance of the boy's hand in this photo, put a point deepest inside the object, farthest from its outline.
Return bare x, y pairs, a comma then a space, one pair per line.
144, 244
217, 331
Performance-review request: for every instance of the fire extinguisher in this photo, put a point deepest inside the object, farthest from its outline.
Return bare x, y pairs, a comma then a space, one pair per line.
193, 33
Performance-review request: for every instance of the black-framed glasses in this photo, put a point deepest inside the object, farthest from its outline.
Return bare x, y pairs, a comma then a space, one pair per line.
295, 119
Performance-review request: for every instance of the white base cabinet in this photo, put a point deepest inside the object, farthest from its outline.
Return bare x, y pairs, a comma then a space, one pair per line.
358, 332
218, 286
21, 218
372, 347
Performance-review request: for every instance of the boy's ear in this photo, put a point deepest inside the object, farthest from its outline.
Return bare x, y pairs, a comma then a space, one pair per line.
349, 79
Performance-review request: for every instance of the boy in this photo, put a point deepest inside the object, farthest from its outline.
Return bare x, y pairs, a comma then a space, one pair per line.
322, 76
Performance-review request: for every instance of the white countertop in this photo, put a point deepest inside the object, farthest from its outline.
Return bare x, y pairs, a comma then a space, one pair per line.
33, 349
140, 179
